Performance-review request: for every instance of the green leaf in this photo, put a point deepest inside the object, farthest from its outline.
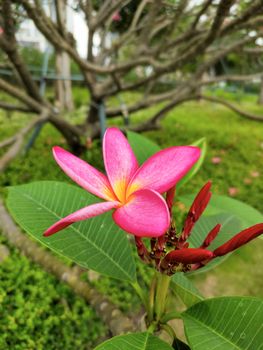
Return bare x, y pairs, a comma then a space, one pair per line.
230, 227
134, 341
142, 147
96, 243
203, 146
246, 214
226, 323
185, 289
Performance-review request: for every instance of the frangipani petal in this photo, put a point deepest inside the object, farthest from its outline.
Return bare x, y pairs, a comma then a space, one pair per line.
81, 214
165, 168
145, 215
119, 159
83, 174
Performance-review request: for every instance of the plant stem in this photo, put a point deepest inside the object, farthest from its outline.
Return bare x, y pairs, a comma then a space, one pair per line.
151, 298
151, 327
142, 295
163, 282
170, 316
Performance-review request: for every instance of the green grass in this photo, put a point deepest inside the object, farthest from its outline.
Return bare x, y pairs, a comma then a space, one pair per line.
53, 311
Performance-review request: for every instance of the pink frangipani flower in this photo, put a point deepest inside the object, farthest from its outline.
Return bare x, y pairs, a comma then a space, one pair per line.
116, 17
133, 192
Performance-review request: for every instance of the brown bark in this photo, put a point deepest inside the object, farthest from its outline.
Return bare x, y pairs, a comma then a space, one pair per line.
17, 142
9, 44
11, 107
71, 133
232, 107
64, 99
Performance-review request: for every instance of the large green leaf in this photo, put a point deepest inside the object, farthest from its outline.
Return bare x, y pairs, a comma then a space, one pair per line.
185, 289
134, 341
230, 226
142, 147
96, 243
203, 146
226, 323
247, 215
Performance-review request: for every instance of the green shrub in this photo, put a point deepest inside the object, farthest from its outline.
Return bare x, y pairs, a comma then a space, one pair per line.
38, 312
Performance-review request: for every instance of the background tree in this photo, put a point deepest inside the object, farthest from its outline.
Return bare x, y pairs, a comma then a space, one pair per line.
164, 49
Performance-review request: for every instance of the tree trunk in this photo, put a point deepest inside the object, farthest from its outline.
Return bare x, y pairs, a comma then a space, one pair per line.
71, 134
260, 97
93, 113
64, 100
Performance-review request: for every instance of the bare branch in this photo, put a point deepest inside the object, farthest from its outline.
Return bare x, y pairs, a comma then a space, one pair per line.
12, 107
202, 11
69, 131
230, 78
20, 95
18, 140
87, 7
162, 112
222, 12
253, 50
252, 11
222, 53
232, 107
107, 9
9, 45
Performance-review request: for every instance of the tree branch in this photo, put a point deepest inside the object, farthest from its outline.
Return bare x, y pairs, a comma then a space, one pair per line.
17, 141
20, 95
11, 107
230, 78
9, 44
231, 106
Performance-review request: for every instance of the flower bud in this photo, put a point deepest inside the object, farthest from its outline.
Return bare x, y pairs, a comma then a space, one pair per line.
170, 198
199, 204
211, 236
187, 256
239, 239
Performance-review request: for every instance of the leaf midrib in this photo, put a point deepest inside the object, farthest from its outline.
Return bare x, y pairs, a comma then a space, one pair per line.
212, 330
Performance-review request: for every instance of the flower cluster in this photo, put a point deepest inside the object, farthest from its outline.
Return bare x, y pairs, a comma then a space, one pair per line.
182, 258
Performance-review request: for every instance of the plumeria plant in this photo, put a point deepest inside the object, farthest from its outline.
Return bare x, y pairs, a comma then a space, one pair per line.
138, 200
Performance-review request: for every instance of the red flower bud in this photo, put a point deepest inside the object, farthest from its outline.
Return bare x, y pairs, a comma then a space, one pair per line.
211, 236
141, 249
170, 198
239, 239
188, 256
199, 204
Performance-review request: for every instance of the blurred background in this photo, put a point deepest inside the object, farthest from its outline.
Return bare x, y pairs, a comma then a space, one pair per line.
175, 71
